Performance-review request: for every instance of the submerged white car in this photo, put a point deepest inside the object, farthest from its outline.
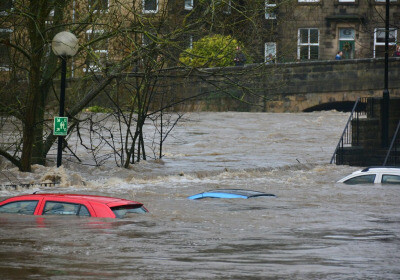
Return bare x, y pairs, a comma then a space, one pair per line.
371, 175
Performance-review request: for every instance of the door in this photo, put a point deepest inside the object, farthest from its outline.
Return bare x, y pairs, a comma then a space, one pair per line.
347, 42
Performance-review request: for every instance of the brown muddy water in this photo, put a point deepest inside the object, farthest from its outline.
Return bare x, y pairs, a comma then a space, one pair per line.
314, 228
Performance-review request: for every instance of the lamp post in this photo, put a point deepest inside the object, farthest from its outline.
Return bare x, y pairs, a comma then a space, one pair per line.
385, 96
64, 45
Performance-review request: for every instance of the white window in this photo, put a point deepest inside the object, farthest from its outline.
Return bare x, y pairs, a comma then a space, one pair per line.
383, 1
270, 6
50, 18
150, 6
5, 38
190, 41
347, 1
308, 43
188, 4
98, 51
270, 52
98, 5
379, 41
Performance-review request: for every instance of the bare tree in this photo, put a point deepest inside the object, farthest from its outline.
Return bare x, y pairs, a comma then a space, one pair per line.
128, 56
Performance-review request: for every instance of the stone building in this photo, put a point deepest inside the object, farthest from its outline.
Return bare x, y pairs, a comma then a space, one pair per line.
283, 31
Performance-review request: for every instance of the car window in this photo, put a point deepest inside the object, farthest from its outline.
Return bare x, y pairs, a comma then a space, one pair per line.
390, 179
124, 211
65, 208
21, 207
363, 179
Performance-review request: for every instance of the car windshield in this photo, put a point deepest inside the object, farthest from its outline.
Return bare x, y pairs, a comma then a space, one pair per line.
126, 210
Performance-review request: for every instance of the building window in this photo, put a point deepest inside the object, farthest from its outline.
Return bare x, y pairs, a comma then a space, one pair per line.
49, 21
308, 1
222, 5
188, 4
270, 52
379, 41
150, 6
190, 42
308, 43
148, 39
5, 6
98, 51
346, 1
98, 5
270, 6
5, 49
383, 1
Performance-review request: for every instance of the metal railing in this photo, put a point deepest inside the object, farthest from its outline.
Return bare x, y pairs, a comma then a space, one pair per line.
347, 138
394, 149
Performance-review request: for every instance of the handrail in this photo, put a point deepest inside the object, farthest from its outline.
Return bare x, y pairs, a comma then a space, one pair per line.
345, 129
392, 143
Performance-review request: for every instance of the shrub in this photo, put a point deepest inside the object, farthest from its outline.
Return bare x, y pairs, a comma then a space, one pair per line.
212, 51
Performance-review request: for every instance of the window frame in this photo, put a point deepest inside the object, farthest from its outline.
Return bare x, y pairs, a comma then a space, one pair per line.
308, 44
191, 42
383, 43
145, 37
101, 10
96, 68
270, 15
189, 7
269, 45
228, 5
6, 67
150, 11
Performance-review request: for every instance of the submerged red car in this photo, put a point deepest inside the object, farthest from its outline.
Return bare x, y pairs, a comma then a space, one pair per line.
71, 204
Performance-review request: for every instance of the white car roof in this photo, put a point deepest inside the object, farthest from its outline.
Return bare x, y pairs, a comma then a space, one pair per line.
389, 169
373, 170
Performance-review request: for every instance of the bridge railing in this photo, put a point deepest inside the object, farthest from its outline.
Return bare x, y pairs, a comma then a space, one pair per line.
347, 138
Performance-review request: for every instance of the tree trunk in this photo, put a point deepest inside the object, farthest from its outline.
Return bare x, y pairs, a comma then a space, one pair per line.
31, 114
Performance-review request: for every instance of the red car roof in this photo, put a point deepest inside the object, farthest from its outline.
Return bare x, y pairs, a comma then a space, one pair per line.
110, 201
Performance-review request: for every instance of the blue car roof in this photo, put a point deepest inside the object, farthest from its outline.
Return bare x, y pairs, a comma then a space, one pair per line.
229, 193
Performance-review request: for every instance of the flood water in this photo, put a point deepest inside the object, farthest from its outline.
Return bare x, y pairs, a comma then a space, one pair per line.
314, 228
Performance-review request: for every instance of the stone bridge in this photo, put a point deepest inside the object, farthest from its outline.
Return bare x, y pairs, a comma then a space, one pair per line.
288, 87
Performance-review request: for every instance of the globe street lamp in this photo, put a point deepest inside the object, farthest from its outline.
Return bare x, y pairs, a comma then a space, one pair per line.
64, 45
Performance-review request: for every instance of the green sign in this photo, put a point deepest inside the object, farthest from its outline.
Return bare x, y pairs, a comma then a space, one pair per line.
60, 126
